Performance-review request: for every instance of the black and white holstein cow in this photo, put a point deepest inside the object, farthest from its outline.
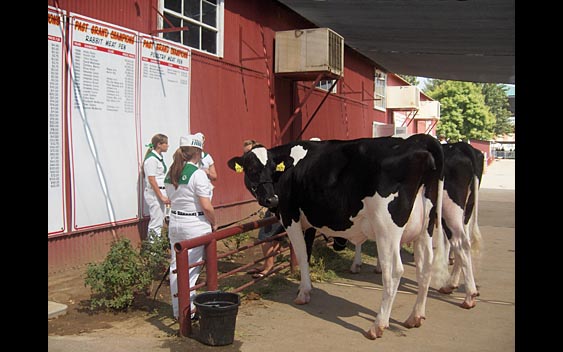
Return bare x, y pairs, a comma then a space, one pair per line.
463, 172
462, 179
384, 189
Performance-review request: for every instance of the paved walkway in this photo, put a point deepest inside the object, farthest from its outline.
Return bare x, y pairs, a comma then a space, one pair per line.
500, 175
340, 311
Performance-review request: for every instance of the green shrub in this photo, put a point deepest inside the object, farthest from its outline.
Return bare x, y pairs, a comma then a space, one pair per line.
155, 254
115, 281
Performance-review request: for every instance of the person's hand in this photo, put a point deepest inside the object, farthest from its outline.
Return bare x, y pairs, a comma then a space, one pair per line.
165, 200
214, 227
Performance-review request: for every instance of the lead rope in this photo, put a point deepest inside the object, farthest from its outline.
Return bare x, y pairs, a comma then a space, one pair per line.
234, 222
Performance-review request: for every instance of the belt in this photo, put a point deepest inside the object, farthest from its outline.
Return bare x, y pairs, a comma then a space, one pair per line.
161, 187
177, 212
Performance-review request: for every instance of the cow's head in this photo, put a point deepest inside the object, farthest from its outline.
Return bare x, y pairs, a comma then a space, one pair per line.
259, 174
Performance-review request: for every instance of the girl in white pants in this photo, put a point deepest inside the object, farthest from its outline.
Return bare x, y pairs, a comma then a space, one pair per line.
191, 214
154, 170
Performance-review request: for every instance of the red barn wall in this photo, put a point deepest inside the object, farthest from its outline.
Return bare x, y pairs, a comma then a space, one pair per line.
235, 97
485, 147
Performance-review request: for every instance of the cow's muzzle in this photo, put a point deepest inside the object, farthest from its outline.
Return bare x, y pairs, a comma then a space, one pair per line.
271, 202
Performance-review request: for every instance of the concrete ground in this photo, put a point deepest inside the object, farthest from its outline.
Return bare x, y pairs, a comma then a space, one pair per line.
340, 311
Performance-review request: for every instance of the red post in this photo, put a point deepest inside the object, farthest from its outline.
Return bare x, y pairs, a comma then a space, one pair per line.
211, 262
182, 265
183, 294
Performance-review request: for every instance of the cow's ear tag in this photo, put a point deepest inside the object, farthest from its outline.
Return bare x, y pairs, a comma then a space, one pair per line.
238, 168
280, 167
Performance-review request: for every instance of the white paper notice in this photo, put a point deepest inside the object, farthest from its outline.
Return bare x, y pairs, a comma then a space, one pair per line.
102, 110
165, 93
56, 209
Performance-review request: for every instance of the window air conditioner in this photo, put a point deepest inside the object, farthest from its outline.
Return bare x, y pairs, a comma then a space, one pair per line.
309, 50
401, 131
403, 97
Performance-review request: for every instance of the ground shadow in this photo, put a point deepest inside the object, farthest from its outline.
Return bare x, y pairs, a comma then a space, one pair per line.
332, 308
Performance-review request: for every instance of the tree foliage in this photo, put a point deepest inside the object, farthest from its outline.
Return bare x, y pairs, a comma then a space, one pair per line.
464, 113
412, 80
497, 101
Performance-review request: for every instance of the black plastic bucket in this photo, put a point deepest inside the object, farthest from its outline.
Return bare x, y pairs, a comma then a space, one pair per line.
217, 317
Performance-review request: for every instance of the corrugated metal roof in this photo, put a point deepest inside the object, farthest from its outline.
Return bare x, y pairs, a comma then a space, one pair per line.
469, 40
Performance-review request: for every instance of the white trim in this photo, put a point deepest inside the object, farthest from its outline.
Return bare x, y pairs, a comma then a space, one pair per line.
379, 76
220, 29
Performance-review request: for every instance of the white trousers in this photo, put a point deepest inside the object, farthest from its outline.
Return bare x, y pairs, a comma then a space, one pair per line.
181, 228
156, 211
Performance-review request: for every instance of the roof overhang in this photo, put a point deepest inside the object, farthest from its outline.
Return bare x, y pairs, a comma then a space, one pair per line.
470, 40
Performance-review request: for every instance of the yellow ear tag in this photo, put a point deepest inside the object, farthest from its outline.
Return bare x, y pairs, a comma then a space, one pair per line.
238, 168
280, 167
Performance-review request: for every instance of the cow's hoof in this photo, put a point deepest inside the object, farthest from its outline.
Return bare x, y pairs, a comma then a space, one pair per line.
414, 322
468, 305
374, 332
447, 289
354, 269
377, 270
302, 299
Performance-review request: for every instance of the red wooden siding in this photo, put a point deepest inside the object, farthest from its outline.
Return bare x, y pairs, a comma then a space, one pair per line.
236, 97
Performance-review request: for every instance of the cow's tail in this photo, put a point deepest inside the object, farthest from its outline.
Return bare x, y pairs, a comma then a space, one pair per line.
440, 274
475, 232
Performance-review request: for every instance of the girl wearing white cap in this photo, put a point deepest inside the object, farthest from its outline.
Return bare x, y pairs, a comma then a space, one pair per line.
154, 170
191, 214
207, 164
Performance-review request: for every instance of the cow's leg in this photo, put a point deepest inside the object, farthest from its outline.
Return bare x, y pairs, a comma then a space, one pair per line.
309, 240
462, 247
453, 281
388, 248
357, 262
295, 234
464, 255
423, 256
451, 254
356, 266
377, 269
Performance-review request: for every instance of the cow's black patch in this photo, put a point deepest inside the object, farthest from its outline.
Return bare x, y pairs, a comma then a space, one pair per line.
329, 184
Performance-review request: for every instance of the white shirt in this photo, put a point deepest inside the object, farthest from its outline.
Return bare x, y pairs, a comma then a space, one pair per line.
154, 167
206, 161
185, 197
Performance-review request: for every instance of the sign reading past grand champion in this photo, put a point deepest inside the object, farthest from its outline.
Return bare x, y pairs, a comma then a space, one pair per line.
122, 87
102, 123
55, 72
164, 90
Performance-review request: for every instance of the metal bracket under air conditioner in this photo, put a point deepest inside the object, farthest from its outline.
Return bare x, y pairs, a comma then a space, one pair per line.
298, 108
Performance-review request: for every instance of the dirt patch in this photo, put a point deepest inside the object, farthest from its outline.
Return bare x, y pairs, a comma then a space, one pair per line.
68, 288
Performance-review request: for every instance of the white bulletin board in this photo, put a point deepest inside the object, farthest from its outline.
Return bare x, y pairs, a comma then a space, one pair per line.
102, 123
55, 72
164, 94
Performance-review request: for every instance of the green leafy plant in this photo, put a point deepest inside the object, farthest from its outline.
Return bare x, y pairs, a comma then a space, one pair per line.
235, 241
115, 281
155, 253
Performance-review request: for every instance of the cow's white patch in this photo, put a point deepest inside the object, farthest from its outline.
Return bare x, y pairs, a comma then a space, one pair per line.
373, 218
417, 222
297, 153
262, 154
